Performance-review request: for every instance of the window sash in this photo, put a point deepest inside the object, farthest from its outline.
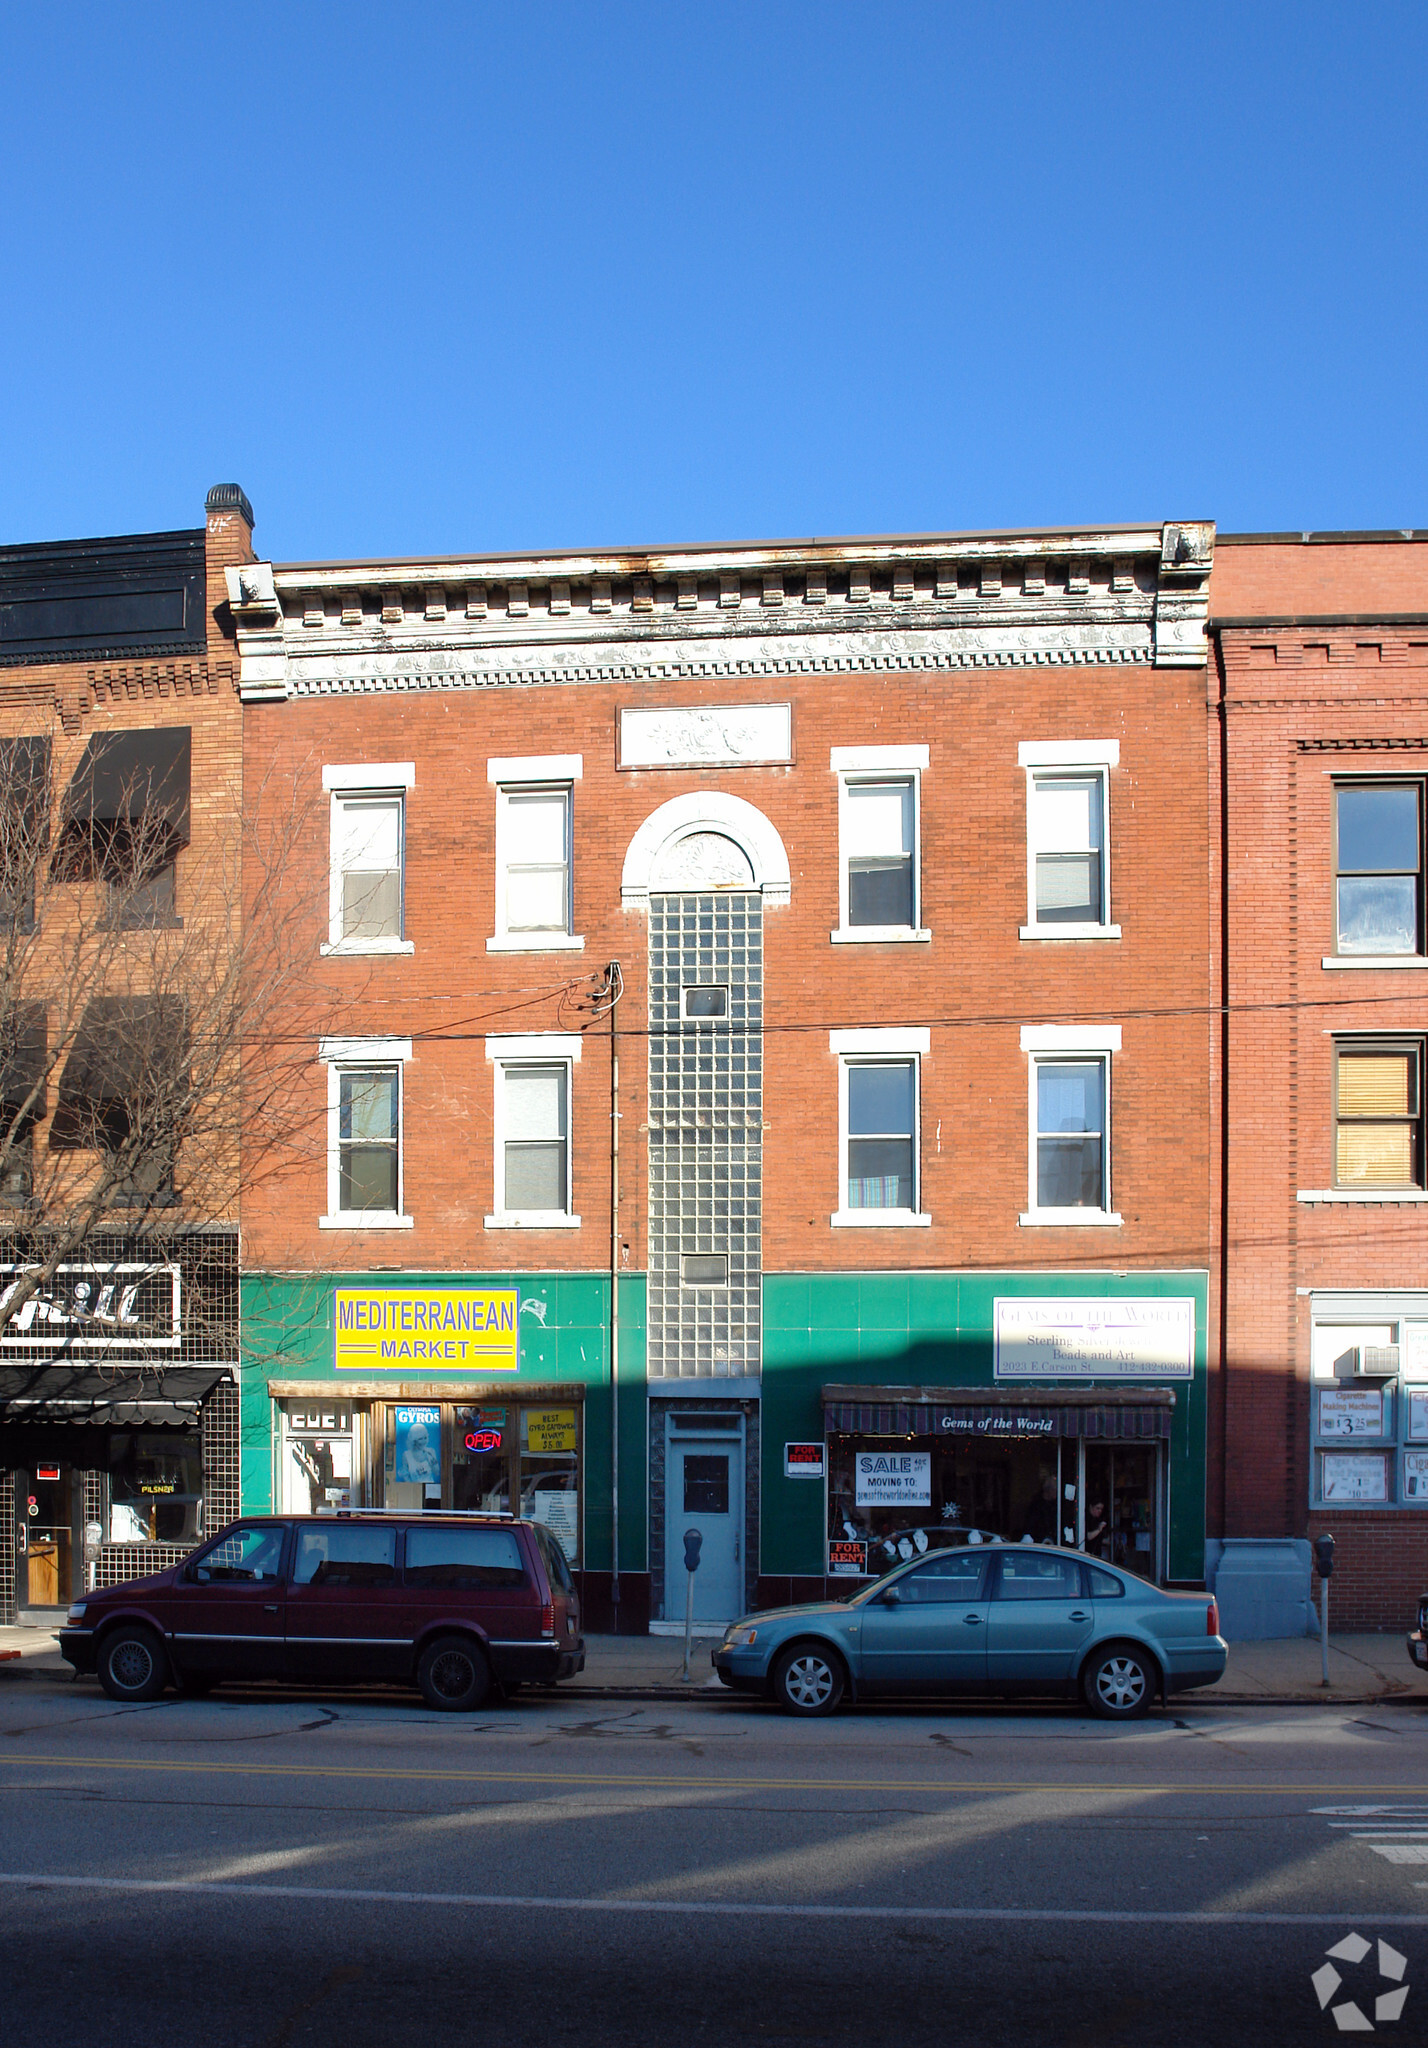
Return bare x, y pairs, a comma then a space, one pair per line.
1378, 1138
534, 885
880, 1141
368, 1140
1378, 867
534, 1117
1071, 1135
368, 846
1068, 848
879, 829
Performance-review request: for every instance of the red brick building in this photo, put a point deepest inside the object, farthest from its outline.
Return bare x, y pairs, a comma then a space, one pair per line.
1319, 771
884, 849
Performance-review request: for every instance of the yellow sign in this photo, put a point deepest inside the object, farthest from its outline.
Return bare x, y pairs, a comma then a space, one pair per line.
550, 1429
420, 1330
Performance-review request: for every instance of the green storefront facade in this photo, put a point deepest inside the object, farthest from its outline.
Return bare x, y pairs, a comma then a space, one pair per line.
871, 1366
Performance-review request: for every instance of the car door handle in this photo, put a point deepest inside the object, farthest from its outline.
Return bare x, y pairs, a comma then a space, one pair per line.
972, 1620
1078, 1614
270, 1607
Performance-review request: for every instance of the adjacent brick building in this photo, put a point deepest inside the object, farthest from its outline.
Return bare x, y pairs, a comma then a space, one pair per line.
120, 753
879, 870
1319, 769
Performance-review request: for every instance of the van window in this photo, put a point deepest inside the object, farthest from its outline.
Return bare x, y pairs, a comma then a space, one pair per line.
555, 1563
464, 1557
346, 1556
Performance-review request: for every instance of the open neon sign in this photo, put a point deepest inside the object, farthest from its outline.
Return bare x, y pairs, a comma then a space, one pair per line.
483, 1439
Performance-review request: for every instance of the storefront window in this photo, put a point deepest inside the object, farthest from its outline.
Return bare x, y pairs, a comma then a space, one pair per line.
481, 1460
890, 1498
155, 1487
318, 1458
550, 1474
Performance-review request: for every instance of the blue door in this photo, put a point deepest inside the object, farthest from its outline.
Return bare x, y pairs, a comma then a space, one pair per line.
705, 1491
1038, 1621
927, 1632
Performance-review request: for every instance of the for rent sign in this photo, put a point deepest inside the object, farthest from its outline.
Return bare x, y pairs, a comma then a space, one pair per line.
425, 1329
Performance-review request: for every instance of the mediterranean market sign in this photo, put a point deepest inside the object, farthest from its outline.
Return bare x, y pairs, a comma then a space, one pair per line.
1094, 1339
436, 1329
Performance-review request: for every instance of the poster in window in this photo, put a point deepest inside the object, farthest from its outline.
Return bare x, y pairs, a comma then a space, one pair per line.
1350, 1478
1413, 1350
417, 1445
894, 1479
1418, 1417
549, 1431
1415, 1477
1351, 1411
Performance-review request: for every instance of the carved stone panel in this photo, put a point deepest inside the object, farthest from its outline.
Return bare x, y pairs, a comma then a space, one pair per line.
706, 736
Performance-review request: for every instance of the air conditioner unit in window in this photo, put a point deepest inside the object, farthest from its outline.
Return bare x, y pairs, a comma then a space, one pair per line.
1374, 1361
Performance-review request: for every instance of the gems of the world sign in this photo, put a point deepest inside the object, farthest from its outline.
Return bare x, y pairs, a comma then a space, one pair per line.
418, 1330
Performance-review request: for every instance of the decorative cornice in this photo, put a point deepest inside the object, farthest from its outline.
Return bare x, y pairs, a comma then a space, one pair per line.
1132, 596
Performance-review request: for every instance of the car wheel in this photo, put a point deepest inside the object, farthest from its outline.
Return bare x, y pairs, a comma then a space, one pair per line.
132, 1665
807, 1679
453, 1675
1118, 1682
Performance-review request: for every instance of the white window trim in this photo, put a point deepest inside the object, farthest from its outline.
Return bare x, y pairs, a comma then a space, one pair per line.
874, 764
879, 1042
1074, 1041
1097, 757
337, 1054
511, 774
524, 1049
375, 779
1342, 963
1376, 1198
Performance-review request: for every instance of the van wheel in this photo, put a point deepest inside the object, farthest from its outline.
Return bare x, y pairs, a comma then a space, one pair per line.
453, 1675
807, 1679
1118, 1682
132, 1665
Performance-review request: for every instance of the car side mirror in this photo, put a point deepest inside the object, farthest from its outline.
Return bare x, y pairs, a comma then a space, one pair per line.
890, 1598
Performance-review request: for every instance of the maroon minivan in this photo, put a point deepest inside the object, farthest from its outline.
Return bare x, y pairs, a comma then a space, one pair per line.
456, 1604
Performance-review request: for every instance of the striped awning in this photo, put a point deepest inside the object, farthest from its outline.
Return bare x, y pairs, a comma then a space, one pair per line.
1024, 1418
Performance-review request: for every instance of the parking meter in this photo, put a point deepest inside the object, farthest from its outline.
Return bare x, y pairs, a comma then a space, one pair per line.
1324, 1565
693, 1544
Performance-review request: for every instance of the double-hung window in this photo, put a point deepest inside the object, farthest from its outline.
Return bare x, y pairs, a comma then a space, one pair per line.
366, 886
1378, 871
1070, 1123
879, 833
1378, 1113
879, 1092
1068, 867
535, 896
532, 1131
365, 1165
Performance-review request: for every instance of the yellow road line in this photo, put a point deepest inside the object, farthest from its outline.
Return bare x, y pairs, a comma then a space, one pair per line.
632, 1781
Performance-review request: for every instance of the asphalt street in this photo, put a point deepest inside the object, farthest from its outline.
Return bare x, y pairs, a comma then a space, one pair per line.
269, 1869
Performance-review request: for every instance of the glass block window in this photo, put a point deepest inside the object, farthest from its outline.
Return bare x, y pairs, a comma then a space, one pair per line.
705, 1136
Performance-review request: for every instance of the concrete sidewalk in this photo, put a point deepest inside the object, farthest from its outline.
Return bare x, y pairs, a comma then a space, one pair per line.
1362, 1668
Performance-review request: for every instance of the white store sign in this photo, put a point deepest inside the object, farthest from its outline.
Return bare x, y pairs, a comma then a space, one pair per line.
1036, 1339
1352, 1411
893, 1479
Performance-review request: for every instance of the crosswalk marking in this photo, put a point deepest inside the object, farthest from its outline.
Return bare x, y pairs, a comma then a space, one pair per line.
1399, 1834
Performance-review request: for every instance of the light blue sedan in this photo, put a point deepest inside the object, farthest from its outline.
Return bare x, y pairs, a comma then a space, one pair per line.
1010, 1619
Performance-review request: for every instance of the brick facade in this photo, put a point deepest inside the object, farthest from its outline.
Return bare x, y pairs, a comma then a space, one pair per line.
1330, 683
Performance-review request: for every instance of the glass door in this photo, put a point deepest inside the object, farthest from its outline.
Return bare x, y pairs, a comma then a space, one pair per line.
49, 1565
1122, 1493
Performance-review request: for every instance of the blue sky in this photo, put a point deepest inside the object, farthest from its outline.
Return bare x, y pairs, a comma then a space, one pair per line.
444, 277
